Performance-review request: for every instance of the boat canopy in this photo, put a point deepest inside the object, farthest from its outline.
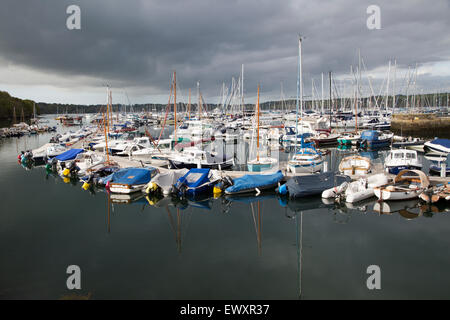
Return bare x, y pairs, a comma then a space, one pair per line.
414, 174
134, 176
69, 154
252, 181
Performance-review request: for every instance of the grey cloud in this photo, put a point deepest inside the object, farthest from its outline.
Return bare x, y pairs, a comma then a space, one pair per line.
137, 44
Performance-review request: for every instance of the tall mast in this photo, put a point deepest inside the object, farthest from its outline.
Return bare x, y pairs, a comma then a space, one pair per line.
393, 86
242, 89
175, 104
198, 97
322, 94
257, 133
189, 105
331, 104
297, 101
387, 86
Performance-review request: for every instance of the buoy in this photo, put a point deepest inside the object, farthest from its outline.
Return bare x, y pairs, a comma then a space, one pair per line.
66, 172
86, 186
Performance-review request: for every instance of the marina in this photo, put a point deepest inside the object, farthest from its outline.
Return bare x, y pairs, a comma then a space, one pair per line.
218, 160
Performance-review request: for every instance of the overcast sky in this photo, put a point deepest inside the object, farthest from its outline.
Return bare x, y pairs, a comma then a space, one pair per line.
134, 46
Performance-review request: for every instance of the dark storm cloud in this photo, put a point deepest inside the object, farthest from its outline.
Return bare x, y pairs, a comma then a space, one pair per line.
139, 43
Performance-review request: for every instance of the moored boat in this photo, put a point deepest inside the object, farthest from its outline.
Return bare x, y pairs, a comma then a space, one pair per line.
408, 184
401, 159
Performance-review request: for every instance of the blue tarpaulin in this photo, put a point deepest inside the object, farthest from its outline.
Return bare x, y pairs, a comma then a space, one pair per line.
442, 142
134, 176
251, 181
194, 178
69, 154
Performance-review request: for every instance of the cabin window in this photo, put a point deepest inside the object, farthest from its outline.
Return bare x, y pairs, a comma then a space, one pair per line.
398, 155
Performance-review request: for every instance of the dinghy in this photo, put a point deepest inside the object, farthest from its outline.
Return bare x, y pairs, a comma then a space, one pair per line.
313, 184
196, 182
357, 190
132, 180
164, 181
404, 186
355, 165
254, 183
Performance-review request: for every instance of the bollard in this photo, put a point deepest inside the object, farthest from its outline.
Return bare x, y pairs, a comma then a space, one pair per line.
443, 169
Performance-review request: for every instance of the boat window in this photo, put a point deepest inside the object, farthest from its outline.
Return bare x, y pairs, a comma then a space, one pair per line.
398, 155
410, 156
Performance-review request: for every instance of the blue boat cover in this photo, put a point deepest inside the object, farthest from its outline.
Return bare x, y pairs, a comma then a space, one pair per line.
369, 135
134, 176
252, 181
69, 154
194, 178
308, 185
442, 142
113, 176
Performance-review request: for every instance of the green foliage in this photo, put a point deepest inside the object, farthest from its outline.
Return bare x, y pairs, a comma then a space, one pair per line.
8, 103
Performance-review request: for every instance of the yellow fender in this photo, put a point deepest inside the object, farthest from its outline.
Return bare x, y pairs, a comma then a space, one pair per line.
151, 187
217, 191
85, 186
66, 172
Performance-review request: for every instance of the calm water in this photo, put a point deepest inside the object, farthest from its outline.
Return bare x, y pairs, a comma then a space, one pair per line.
218, 249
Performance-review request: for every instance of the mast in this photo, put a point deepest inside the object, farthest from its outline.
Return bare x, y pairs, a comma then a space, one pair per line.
198, 97
105, 123
322, 94
189, 105
257, 133
175, 105
393, 85
331, 102
242, 90
387, 86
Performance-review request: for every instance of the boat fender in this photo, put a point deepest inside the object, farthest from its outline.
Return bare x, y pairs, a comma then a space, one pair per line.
85, 186
217, 191
66, 172
151, 187
283, 189
107, 186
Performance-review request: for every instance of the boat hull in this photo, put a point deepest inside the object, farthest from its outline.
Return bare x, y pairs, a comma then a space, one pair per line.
216, 166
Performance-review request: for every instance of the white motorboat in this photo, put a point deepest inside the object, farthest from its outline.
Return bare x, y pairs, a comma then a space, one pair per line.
306, 160
401, 159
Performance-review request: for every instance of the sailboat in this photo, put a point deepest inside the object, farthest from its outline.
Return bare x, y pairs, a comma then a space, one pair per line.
307, 159
260, 163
